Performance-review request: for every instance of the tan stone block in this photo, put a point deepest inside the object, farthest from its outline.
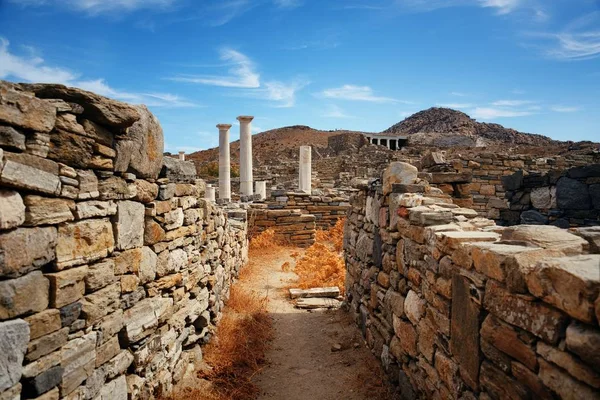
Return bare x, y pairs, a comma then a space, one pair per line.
128, 261
129, 283
448, 371
43, 323
570, 364
47, 211
78, 360
488, 258
23, 295
67, 286
107, 351
407, 334
584, 341
46, 344
547, 237
26, 249
83, 241
506, 339
100, 303
564, 385
100, 275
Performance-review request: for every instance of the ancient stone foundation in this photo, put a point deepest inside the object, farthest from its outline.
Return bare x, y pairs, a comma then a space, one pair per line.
457, 307
113, 268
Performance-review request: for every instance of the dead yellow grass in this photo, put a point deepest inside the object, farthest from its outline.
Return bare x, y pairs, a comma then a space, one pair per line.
322, 264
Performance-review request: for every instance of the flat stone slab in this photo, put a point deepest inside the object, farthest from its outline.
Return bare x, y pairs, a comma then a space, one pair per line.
321, 292
317, 302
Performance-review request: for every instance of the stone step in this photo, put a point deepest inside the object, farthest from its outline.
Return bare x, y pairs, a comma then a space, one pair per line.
316, 302
331, 292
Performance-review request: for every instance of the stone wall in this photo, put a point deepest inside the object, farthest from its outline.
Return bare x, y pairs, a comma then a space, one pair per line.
113, 269
290, 226
560, 197
457, 307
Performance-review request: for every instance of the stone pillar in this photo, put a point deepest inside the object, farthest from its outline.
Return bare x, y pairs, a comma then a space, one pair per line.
182, 155
305, 178
245, 155
261, 189
224, 163
209, 194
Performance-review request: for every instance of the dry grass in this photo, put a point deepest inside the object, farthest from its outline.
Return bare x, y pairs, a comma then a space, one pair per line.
322, 264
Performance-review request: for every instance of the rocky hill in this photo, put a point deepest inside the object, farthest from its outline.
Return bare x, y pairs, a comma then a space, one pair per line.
446, 127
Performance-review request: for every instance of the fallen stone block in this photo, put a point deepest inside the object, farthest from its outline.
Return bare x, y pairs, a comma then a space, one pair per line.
331, 292
314, 303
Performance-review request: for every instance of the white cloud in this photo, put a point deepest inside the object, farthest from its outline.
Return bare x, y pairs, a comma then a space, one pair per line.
34, 69
512, 103
95, 7
242, 73
502, 6
283, 93
358, 93
493, 113
579, 40
334, 111
564, 109
459, 94
455, 105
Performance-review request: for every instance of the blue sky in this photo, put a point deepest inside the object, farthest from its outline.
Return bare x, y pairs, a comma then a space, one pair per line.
533, 65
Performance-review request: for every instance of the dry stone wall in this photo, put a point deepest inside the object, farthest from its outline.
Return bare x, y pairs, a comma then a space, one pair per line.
457, 307
111, 275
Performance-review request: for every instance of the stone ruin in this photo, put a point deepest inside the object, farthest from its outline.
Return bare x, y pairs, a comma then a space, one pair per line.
114, 269
456, 306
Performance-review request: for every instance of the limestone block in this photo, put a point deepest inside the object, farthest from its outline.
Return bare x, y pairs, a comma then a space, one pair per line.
414, 307
524, 312
100, 275
94, 383
100, 303
174, 219
547, 237
489, 258
46, 344
23, 295
398, 172
11, 138
12, 210
128, 225
141, 150
571, 284
47, 211
192, 215
564, 385
28, 172
115, 389
118, 364
71, 149
109, 326
107, 351
24, 110
584, 341
453, 239
14, 336
26, 249
147, 267
14, 393
506, 339
569, 363
78, 360
43, 323
142, 319
115, 188
129, 283
88, 184
187, 202
146, 191
153, 232
128, 261
70, 313
83, 241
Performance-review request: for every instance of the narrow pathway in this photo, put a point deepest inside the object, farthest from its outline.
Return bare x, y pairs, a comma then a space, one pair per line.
301, 363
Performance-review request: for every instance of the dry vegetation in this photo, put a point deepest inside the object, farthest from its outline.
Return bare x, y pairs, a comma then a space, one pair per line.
322, 264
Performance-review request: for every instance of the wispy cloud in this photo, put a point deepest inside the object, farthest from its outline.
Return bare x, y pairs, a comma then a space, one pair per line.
281, 93
512, 103
334, 111
493, 113
33, 68
95, 7
564, 109
242, 73
357, 93
500, 7
579, 40
227, 10
459, 94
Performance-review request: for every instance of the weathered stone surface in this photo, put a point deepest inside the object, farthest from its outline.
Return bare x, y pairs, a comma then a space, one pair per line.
153, 232
26, 249
94, 208
489, 258
533, 217
78, 360
116, 389
74, 150
25, 111
115, 188
43, 323
47, 211
12, 210
100, 303
128, 225
28, 172
177, 170
141, 151
500, 385
572, 195
107, 351
506, 339
398, 172
530, 380
564, 385
14, 336
118, 364
584, 341
414, 307
541, 197
524, 312
174, 219
129, 283
23, 295
570, 364
547, 237
572, 284
142, 319
97, 132
407, 334
46, 344
11, 138
88, 184
100, 275
97, 108
84, 241
464, 338
128, 261
146, 191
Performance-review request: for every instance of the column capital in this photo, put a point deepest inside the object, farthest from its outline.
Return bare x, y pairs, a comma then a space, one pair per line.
223, 126
245, 118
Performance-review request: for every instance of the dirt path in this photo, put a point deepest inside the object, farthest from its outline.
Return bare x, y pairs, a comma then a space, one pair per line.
301, 363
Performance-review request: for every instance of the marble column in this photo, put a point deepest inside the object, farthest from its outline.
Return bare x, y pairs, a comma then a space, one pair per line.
305, 178
246, 155
182, 155
224, 162
209, 194
261, 189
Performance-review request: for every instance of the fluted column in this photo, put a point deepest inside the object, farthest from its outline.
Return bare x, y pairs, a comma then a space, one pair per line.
224, 162
246, 155
305, 177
